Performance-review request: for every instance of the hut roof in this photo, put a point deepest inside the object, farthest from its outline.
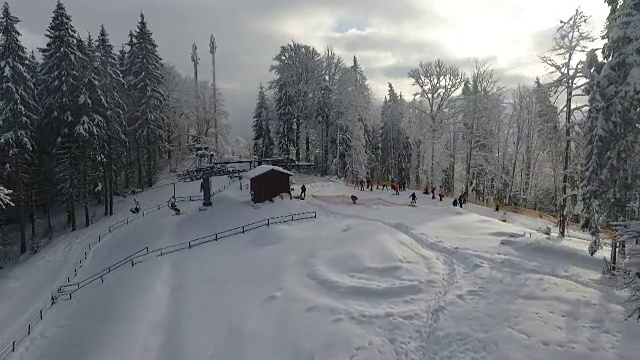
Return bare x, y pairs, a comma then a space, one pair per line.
263, 169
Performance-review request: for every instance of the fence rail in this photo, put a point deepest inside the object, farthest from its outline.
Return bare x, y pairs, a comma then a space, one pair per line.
137, 257
26, 330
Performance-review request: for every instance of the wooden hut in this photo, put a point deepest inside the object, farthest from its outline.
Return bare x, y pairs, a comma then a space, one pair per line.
267, 182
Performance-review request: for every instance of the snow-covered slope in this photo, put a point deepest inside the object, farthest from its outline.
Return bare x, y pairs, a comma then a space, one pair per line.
379, 280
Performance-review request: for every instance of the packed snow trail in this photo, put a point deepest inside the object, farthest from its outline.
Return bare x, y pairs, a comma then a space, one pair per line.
25, 287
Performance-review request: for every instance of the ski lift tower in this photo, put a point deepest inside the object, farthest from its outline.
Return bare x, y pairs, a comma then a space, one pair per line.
212, 49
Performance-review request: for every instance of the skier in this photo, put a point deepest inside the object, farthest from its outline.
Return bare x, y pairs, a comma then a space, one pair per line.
361, 185
173, 206
136, 209
303, 191
397, 186
460, 201
414, 198
441, 195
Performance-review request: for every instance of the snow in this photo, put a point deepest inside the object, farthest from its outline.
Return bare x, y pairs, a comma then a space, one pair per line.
263, 169
377, 280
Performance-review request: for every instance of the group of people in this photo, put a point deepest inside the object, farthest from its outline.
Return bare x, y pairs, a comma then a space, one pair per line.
397, 186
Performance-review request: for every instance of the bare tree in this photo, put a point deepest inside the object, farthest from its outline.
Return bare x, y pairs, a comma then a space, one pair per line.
571, 40
437, 83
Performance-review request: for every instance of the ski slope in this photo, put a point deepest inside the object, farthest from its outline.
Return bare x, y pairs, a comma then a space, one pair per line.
378, 280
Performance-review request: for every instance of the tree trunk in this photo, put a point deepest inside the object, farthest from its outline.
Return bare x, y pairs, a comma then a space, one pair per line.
565, 166
23, 214
33, 217
149, 161
105, 192
307, 148
85, 195
127, 167
297, 141
139, 165
71, 205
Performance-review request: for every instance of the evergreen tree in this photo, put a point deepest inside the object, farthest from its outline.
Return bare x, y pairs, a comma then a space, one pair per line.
285, 131
90, 129
18, 111
262, 140
111, 83
146, 80
392, 136
59, 80
125, 66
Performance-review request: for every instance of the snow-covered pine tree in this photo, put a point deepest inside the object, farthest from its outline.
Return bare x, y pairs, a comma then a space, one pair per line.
147, 98
298, 70
285, 127
18, 111
262, 141
111, 84
125, 66
58, 84
89, 132
357, 118
595, 132
392, 138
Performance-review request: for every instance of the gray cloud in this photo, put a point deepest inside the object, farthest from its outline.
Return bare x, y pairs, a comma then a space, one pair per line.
250, 32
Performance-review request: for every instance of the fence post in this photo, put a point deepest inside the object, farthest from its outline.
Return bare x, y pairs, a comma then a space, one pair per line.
13, 346
189, 244
174, 189
315, 215
127, 221
68, 279
75, 272
216, 236
40, 314
109, 229
132, 262
291, 217
267, 222
29, 330
102, 279
243, 229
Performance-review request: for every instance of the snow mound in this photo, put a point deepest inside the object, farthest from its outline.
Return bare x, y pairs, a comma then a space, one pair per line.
373, 268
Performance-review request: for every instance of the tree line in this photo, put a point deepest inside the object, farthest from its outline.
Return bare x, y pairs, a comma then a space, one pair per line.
460, 130
85, 121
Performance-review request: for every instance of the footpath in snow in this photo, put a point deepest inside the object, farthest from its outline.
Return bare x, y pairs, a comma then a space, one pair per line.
378, 280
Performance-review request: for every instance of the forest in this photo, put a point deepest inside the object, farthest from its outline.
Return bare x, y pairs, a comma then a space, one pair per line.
550, 146
86, 121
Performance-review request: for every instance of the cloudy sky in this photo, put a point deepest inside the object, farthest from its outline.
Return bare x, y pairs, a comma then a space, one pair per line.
388, 36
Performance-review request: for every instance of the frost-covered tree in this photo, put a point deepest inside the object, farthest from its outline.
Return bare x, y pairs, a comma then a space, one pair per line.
262, 140
145, 78
298, 70
18, 111
572, 39
437, 84
5, 200
58, 83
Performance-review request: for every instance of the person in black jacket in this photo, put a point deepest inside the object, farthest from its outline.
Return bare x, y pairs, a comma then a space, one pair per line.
303, 191
414, 198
